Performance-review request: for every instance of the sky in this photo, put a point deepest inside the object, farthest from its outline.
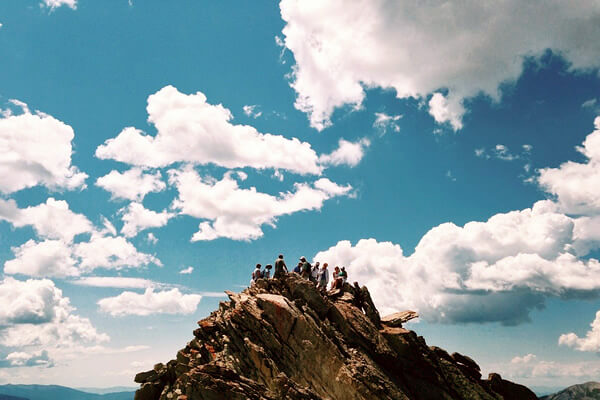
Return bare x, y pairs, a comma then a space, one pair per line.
151, 153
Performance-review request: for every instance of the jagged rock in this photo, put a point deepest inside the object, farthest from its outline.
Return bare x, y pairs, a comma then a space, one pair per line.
397, 319
284, 339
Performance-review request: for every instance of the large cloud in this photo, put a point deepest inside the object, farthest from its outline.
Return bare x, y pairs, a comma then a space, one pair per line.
591, 341
137, 218
419, 48
52, 219
150, 302
192, 130
498, 270
35, 315
577, 185
237, 213
36, 150
132, 184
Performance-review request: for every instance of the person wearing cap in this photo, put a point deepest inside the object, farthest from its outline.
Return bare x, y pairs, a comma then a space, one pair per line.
267, 272
280, 268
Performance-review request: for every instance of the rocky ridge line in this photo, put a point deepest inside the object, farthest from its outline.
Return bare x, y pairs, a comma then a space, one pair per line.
283, 339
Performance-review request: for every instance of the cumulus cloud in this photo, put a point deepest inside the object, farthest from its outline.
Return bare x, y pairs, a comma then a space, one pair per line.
236, 213
110, 252
497, 270
340, 48
50, 258
52, 4
59, 258
37, 151
136, 218
348, 153
151, 238
150, 302
591, 341
22, 359
383, 122
53, 219
192, 130
575, 185
35, 315
133, 184
187, 271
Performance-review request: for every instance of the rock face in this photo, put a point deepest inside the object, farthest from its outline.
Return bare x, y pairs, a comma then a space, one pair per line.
283, 339
584, 391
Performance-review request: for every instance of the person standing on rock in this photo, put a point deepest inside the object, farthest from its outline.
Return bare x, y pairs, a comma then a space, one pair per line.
256, 274
314, 273
323, 277
280, 268
298, 268
305, 269
266, 274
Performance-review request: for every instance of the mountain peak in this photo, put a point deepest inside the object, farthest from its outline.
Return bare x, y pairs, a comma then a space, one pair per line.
284, 339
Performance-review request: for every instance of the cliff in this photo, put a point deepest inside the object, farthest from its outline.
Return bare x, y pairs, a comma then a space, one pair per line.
283, 339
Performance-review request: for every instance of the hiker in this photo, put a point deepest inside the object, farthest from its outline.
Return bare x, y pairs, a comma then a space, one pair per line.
305, 269
323, 278
280, 268
344, 275
337, 281
256, 274
298, 268
267, 272
314, 273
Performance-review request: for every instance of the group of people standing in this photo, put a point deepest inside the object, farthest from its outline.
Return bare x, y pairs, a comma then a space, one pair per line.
319, 274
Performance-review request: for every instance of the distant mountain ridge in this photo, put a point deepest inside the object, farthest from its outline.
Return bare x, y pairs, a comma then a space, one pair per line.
583, 391
55, 392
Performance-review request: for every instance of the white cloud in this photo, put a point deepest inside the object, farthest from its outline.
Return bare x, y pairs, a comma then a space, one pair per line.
342, 47
498, 270
50, 258
384, 121
447, 109
52, 4
36, 150
238, 214
116, 282
524, 359
192, 130
591, 103
52, 219
58, 258
150, 302
187, 271
136, 218
111, 253
575, 185
35, 359
591, 341
151, 238
251, 111
133, 184
35, 316
348, 153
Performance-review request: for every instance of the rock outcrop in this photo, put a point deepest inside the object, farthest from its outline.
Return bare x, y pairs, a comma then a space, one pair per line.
283, 339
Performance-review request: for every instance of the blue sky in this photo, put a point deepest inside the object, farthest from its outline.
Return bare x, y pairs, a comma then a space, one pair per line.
436, 156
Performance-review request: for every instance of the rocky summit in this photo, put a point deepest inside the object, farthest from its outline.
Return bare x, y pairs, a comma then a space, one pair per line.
283, 339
